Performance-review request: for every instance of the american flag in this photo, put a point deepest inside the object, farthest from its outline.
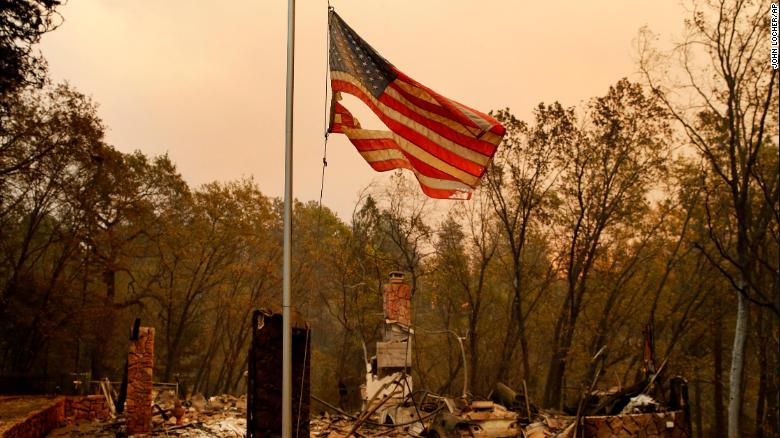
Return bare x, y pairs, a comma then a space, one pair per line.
446, 144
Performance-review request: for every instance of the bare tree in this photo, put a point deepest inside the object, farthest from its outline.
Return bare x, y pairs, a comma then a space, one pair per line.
518, 184
22, 23
463, 260
403, 222
726, 103
609, 166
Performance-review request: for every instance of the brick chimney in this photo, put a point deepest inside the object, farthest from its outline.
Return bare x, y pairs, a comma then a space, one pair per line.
397, 296
393, 358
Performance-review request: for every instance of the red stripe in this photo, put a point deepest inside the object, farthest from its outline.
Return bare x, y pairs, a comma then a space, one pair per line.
366, 145
373, 144
496, 127
443, 112
392, 164
410, 134
384, 166
443, 101
442, 193
428, 170
346, 117
483, 147
484, 116
434, 149
422, 103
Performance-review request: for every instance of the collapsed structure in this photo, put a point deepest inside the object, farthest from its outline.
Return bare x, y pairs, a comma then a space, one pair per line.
388, 395
391, 406
390, 402
388, 377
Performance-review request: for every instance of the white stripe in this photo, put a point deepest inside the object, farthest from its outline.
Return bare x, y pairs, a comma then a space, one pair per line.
417, 152
483, 123
476, 118
455, 148
434, 183
450, 123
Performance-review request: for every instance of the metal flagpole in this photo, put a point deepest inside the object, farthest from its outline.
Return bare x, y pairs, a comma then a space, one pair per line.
288, 180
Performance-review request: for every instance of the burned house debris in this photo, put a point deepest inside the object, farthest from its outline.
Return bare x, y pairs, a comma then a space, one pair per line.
388, 374
391, 407
391, 404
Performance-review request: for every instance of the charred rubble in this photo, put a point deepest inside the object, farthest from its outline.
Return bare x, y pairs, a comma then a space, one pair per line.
391, 404
392, 407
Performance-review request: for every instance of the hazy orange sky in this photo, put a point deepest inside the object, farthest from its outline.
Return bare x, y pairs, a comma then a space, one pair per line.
204, 81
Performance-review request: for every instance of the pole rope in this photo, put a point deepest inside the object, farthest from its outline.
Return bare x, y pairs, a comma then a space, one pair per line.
325, 109
319, 203
303, 382
326, 123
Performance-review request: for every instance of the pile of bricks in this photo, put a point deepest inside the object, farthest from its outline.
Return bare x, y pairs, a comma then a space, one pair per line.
652, 425
90, 407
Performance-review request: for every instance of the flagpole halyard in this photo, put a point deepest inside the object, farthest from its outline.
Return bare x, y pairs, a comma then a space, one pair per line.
288, 199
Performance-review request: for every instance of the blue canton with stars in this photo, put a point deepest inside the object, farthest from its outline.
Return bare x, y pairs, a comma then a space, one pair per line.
351, 54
